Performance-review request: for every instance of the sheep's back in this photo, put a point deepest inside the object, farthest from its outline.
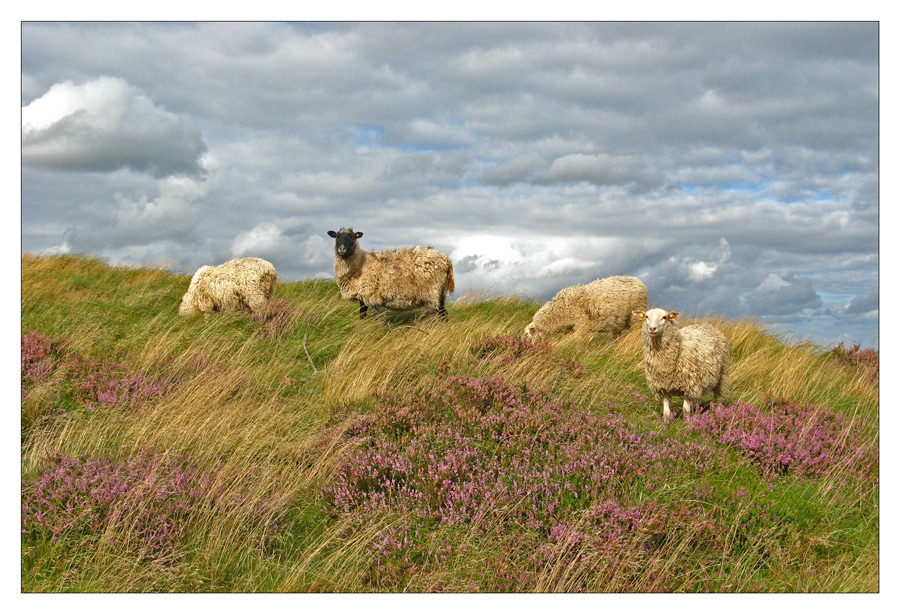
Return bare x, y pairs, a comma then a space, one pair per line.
241, 269
704, 354
564, 310
610, 301
404, 277
233, 285
703, 340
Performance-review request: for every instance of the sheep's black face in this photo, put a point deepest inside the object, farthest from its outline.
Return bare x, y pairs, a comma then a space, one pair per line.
345, 242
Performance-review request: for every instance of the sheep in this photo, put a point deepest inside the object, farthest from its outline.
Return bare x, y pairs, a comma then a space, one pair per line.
690, 361
402, 279
242, 284
604, 305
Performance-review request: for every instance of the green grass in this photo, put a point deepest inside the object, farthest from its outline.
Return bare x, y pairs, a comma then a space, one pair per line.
266, 410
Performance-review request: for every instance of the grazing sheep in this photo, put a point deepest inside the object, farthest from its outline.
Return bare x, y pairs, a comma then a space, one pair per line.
689, 361
602, 306
242, 284
402, 279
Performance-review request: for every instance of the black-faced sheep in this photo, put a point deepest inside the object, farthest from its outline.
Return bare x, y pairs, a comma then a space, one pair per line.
689, 361
402, 279
242, 284
604, 305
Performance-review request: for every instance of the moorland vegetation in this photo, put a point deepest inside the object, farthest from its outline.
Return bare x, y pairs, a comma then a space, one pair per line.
303, 449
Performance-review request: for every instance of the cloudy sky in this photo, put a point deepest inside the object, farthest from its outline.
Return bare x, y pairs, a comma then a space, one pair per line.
733, 167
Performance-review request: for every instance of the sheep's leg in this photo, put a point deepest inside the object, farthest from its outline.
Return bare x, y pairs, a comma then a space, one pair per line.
442, 310
376, 309
687, 407
363, 308
667, 413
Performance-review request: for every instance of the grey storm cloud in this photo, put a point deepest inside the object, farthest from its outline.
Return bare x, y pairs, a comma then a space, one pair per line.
783, 295
703, 157
519, 169
861, 305
599, 169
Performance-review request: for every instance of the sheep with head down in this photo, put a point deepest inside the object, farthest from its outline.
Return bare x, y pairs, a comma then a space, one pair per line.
602, 306
401, 279
689, 361
242, 284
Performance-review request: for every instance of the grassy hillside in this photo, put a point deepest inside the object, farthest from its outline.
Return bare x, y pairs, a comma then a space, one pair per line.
306, 450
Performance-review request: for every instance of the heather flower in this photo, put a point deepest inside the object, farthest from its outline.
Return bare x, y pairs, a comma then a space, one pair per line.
790, 438
478, 449
276, 319
40, 357
150, 495
149, 499
89, 382
99, 383
864, 360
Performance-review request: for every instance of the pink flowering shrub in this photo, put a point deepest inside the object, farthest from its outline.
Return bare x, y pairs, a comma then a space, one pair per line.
40, 357
276, 319
89, 383
151, 495
478, 452
100, 383
788, 438
148, 498
865, 360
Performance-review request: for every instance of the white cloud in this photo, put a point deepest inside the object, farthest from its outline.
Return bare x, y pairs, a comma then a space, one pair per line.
53, 250
711, 100
565, 266
288, 244
264, 238
173, 207
771, 284
699, 271
103, 125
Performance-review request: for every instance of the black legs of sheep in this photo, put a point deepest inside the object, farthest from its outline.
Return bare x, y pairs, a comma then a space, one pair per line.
363, 309
440, 313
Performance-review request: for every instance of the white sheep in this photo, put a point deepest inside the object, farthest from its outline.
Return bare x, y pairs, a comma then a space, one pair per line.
402, 279
242, 284
689, 361
604, 305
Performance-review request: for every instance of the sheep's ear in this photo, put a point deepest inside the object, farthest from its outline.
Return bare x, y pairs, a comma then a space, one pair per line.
672, 315
359, 235
639, 314
332, 234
